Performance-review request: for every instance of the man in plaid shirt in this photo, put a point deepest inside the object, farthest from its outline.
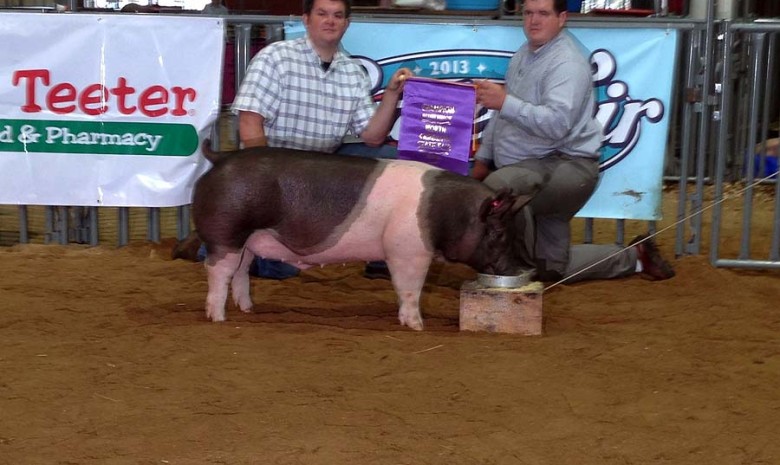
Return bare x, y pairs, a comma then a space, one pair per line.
307, 94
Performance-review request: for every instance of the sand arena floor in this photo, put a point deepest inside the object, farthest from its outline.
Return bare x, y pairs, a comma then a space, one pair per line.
106, 358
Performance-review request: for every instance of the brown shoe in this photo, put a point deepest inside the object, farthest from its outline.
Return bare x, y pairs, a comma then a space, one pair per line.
187, 248
654, 267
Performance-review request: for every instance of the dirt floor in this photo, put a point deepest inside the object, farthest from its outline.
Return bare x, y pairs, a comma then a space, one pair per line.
106, 358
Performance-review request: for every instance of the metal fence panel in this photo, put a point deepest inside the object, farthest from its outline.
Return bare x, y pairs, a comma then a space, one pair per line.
714, 123
745, 163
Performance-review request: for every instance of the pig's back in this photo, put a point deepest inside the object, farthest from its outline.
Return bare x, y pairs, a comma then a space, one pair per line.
306, 198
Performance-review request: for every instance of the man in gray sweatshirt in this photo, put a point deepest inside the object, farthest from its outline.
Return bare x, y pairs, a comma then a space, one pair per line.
544, 136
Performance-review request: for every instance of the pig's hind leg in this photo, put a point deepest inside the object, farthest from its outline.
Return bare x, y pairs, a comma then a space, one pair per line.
240, 283
220, 267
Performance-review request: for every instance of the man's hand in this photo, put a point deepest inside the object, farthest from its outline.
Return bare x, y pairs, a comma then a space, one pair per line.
490, 95
480, 170
396, 84
380, 124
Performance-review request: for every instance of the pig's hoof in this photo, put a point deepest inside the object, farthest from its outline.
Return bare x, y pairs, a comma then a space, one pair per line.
414, 322
215, 316
243, 301
244, 304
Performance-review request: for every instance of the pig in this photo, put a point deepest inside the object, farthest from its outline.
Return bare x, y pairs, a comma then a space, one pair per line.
311, 208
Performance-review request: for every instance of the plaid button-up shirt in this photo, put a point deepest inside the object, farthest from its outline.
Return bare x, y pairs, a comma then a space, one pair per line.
304, 106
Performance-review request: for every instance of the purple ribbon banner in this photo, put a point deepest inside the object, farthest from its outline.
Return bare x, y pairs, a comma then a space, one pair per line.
437, 123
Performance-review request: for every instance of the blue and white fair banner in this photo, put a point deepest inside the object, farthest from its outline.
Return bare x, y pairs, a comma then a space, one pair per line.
106, 110
633, 71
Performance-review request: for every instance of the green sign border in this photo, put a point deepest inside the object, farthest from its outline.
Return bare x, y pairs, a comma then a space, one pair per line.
98, 137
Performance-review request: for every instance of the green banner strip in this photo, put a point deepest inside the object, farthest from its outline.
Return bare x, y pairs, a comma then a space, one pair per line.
95, 137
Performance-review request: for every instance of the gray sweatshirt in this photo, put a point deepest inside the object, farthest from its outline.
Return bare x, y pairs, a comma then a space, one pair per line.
549, 106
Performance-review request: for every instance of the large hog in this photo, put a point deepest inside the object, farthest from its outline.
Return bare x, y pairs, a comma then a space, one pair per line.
310, 208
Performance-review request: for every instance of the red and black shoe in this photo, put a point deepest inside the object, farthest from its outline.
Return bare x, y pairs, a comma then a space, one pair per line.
654, 267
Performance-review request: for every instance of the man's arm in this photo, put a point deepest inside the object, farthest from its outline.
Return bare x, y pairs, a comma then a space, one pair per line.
250, 129
380, 124
484, 158
566, 86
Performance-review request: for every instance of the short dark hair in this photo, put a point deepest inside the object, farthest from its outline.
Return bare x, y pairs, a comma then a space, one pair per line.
558, 5
309, 4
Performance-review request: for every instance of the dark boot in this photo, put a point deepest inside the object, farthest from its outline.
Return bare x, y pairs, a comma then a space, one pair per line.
654, 267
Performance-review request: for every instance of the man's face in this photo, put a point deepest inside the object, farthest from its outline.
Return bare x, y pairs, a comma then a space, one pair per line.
540, 22
327, 22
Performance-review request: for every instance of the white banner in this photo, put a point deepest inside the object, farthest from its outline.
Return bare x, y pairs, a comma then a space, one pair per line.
106, 110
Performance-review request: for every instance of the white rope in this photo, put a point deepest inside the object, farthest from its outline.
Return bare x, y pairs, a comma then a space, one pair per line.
711, 205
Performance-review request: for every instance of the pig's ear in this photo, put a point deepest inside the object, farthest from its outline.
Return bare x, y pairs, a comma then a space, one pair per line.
520, 202
498, 206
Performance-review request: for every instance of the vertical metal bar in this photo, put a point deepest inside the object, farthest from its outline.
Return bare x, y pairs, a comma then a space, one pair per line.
714, 112
243, 53
620, 231
81, 227
774, 251
742, 110
243, 50
704, 133
123, 226
214, 132
588, 233
24, 231
153, 225
688, 126
768, 96
76, 230
63, 224
756, 71
93, 226
182, 221
772, 72
48, 225
720, 151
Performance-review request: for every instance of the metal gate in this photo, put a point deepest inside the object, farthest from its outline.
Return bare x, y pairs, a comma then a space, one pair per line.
746, 154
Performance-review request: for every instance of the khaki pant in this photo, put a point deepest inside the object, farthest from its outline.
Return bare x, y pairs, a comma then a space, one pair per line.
565, 183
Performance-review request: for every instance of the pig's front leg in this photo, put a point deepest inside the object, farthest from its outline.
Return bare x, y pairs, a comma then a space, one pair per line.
408, 276
220, 268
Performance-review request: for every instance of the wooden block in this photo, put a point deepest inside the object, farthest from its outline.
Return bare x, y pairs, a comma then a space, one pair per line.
501, 310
